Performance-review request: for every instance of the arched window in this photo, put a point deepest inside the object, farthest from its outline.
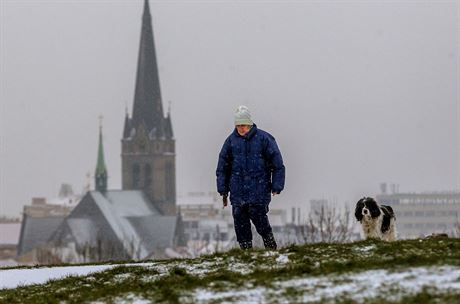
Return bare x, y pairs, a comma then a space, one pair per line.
148, 176
170, 182
136, 176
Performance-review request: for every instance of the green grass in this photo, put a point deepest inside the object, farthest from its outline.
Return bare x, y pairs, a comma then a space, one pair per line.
174, 281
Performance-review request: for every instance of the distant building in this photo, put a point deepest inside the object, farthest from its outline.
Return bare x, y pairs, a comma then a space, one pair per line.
203, 217
114, 225
210, 227
9, 238
40, 220
421, 214
138, 221
148, 146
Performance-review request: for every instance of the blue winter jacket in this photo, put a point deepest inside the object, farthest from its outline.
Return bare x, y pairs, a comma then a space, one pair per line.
250, 167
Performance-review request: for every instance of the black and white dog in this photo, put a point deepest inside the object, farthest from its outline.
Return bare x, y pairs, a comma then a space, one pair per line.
377, 221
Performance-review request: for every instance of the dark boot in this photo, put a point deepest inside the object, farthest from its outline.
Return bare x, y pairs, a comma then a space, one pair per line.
269, 241
246, 245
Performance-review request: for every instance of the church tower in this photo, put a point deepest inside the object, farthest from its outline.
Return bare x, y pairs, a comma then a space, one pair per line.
100, 175
148, 145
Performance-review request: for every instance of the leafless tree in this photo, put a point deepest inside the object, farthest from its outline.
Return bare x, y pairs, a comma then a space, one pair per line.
326, 225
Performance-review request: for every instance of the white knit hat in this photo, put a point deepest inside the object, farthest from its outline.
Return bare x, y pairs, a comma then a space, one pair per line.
243, 116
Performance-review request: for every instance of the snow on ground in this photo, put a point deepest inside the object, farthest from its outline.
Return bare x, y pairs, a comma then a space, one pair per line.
12, 278
282, 259
370, 284
357, 286
365, 249
254, 295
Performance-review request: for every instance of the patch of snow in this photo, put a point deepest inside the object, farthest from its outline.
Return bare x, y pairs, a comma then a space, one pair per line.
365, 249
357, 286
121, 277
132, 299
234, 296
242, 268
269, 253
199, 269
282, 259
371, 283
12, 278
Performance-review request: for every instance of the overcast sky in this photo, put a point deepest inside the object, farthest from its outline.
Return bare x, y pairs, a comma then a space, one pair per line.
355, 92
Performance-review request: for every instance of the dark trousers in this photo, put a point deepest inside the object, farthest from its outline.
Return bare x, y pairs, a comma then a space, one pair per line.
242, 217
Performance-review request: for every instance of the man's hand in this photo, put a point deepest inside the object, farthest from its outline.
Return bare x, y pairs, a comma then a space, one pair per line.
275, 193
224, 201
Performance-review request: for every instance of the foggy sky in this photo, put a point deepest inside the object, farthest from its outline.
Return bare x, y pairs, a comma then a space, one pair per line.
356, 93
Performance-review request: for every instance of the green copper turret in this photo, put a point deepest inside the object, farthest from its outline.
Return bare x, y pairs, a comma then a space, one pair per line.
101, 169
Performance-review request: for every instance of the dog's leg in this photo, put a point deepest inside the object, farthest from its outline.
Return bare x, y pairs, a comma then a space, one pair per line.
392, 231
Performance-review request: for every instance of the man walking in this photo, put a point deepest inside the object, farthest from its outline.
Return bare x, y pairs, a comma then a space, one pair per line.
251, 168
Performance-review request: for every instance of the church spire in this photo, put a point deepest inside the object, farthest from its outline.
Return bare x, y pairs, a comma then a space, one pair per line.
146, 7
101, 170
127, 127
168, 124
148, 148
147, 107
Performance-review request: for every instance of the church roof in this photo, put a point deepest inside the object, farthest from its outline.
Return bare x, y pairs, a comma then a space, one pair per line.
135, 220
156, 231
36, 231
83, 230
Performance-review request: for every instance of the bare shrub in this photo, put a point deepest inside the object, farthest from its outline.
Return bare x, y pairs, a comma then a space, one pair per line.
326, 225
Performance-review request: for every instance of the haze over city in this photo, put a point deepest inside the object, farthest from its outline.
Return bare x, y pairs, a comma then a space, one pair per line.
356, 93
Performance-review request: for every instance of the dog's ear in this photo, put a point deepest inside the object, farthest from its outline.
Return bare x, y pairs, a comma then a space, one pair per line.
359, 210
373, 207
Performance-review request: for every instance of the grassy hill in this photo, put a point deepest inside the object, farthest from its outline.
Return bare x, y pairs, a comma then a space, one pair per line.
411, 271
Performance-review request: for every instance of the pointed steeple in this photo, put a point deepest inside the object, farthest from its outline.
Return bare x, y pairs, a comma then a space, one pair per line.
168, 124
148, 147
101, 170
147, 106
127, 127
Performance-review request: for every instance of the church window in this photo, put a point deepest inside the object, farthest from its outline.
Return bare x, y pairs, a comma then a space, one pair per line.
169, 181
136, 176
148, 176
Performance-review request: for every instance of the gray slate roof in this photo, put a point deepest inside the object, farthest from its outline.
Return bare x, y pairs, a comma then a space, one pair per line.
36, 231
137, 224
155, 231
83, 230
